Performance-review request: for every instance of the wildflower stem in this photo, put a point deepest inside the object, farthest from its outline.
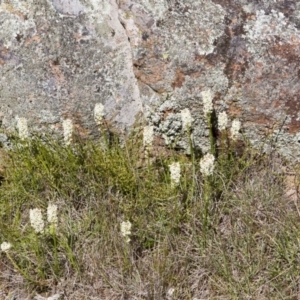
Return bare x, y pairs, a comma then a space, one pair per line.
70, 254
206, 201
175, 174
211, 135
26, 276
193, 164
223, 153
127, 265
39, 257
56, 262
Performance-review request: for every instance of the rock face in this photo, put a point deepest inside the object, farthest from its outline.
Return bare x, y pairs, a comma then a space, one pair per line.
153, 58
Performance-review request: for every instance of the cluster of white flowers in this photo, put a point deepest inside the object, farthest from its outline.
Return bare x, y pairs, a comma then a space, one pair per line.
99, 113
22, 128
68, 131
186, 119
207, 164
222, 121
36, 220
207, 98
5, 246
175, 173
235, 129
52, 215
126, 230
148, 136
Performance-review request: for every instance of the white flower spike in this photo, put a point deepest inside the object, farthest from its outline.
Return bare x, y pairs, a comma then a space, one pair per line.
207, 164
36, 220
22, 128
222, 121
148, 136
52, 215
68, 131
186, 119
99, 113
175, 173
235, 129
126, 230
5, 246
207, 97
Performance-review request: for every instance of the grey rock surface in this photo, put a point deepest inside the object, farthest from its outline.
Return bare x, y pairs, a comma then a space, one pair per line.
152, 58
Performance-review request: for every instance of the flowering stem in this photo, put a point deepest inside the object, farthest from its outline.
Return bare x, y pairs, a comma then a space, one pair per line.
26, 276
56, 263
105, 140
70, 255
39, 256
193, 162
223, 146
211, 135
147, 156
206, 200
127, 265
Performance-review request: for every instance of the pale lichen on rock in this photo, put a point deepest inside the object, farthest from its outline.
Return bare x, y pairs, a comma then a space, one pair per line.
268, 28
63, 57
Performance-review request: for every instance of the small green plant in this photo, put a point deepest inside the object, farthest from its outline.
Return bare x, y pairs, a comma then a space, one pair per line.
79, 213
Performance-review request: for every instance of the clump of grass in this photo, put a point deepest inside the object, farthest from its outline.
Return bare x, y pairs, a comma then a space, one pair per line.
141, 229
